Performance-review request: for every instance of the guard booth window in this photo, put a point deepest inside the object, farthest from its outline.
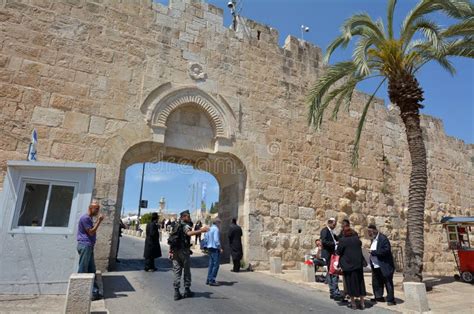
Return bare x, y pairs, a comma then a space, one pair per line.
45, 204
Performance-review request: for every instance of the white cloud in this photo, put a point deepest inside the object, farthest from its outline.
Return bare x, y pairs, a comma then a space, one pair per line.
156, 177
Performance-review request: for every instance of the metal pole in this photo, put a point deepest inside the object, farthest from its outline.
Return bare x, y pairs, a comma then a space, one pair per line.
140, 200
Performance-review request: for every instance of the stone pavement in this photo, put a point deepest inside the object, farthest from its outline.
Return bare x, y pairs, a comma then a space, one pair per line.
446, 295
131, 290
12, 304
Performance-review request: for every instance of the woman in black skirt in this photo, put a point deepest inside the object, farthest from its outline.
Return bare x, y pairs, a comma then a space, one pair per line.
352, 263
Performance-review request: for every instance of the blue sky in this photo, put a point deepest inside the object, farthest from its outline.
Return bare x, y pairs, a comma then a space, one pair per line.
171, 181
446, 97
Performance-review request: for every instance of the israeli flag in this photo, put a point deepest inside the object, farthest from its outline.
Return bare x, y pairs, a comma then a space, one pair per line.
32, 149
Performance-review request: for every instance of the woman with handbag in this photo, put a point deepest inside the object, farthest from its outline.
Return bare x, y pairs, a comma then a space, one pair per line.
352, 263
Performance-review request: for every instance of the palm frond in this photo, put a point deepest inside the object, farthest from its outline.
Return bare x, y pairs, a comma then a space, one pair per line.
355, 152
332, 75
360, 55
463, 28
345, 93
364, 21
336, 43
463, 47
454, 8
343, 40
390, 13
430, 30
446, 64
427, 55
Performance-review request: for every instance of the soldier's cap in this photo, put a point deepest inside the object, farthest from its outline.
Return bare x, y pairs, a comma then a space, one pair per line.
184, 213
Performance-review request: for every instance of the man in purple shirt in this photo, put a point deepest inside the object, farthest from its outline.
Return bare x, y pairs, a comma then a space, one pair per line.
86, 237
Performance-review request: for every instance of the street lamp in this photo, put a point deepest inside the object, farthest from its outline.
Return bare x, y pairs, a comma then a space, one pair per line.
140, 200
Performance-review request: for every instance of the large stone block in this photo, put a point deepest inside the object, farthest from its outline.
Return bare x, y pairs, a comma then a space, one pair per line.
47, 116
79, 292
306, 213
97, 125
275, 265
76, 122
307, 272
416, 300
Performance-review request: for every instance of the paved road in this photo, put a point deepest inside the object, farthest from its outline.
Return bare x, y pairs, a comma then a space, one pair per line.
131, 290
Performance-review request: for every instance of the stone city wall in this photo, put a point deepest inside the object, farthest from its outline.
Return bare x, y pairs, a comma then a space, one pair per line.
79, 72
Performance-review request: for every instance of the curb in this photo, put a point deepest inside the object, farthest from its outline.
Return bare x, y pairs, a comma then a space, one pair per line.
98, 306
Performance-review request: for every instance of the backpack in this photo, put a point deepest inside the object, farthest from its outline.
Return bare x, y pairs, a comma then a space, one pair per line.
176, 237
205, 241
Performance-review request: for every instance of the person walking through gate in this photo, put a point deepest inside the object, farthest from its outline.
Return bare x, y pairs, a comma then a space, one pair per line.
352, 263
235, 242
197, 227
381, 262
180, 253
86, 238
121, 226
214, 248
152, 243
329, 240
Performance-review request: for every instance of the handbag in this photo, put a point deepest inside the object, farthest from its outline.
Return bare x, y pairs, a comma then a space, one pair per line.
334, 265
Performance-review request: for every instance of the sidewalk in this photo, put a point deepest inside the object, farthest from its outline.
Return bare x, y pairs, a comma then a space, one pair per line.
446, 295
12, 304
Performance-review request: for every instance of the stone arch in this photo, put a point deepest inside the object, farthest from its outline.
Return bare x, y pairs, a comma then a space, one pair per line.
166, 99
160, 118
228, 170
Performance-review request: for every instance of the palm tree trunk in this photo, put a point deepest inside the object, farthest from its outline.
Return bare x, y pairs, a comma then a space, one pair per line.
414, 243
405, 91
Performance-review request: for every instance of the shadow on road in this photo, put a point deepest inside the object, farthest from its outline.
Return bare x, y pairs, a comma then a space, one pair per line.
199, 261
227, 283
438, 281
129, 264
113, 285
163, 264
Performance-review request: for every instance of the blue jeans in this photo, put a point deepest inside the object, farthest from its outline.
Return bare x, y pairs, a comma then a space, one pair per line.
332, 283
87, 263
214, 257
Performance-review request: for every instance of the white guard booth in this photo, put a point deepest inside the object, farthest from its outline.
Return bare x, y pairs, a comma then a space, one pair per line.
40, 206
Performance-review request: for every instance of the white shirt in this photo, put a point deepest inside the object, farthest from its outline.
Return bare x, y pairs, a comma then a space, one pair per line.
316, 252
373, 247
334, 239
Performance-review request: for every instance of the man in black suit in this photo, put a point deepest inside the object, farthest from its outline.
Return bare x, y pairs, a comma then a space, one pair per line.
381, 262
235, 243
329, 241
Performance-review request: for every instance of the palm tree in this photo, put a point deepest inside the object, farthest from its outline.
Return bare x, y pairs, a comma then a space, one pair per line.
379, 54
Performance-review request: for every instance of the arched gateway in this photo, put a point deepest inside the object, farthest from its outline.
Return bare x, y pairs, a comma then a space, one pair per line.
191, 127
173, 83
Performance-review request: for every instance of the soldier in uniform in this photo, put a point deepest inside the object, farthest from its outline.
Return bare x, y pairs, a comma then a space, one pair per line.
180, 253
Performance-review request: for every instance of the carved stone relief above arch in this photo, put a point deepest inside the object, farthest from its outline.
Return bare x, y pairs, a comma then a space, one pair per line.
162, 102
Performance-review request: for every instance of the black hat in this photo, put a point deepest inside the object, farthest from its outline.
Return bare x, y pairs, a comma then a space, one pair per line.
184, 212
154, 216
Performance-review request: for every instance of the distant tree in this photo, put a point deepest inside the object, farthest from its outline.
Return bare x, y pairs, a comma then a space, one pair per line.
145, 218
213, 209
378, 53
203, 206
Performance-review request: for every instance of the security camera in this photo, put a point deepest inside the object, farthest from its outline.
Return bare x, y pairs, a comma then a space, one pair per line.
230, 4
305, 28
